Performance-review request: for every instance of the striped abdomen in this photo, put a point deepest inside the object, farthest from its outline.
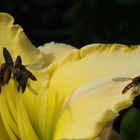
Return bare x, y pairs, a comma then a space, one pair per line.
130, 85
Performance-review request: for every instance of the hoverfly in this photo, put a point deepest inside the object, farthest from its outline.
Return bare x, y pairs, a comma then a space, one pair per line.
6, 68
21, 74
19, 71
135, 83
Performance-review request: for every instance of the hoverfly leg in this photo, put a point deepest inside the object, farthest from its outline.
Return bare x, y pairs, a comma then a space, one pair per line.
136, 89
18, 88
31, 89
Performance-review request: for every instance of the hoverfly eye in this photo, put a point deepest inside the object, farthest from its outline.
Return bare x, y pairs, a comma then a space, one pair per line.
18, 60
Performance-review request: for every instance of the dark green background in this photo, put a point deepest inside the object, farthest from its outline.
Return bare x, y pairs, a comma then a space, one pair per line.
77, 22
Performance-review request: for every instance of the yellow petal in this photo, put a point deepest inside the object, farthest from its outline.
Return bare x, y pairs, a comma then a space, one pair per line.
13, 38
8, 112
3, 133
26, 129
20, 113
55, 52
86, 84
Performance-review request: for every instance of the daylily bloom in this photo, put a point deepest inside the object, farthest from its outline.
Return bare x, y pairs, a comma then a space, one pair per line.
76, 95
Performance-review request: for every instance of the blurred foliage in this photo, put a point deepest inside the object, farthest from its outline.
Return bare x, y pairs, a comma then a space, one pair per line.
78, 22
130, 125
128, 122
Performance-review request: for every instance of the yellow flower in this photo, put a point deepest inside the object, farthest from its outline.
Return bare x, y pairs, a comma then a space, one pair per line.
76, 95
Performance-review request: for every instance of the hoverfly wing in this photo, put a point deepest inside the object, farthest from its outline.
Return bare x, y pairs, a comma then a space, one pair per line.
7, 57
31, 76
121, 79
35, 66
18, 61
31, 89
